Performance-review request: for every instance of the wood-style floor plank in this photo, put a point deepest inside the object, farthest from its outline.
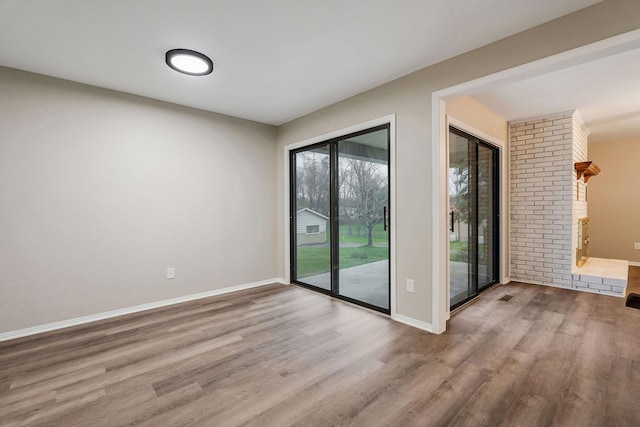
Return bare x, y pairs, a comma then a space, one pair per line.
281, 355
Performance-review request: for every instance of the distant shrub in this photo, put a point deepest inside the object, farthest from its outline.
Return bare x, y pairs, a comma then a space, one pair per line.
359, 255
459, 256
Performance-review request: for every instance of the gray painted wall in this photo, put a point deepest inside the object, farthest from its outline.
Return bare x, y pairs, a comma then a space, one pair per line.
100, 192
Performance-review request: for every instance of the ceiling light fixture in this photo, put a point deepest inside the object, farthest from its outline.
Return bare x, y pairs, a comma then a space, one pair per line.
189, 62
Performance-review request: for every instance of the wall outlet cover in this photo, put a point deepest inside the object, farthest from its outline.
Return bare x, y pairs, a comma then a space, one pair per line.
636, 245
171, 273
410, 286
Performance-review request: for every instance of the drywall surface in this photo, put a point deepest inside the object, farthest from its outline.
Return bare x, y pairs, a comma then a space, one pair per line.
474, 114
409, 98
101, 192
614, 200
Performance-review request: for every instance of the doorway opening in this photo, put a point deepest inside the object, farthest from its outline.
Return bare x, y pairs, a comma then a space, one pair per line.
473, 216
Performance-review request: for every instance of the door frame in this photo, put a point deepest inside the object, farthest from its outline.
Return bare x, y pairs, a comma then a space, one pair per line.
503, 200
286, 153
334, 219
498, 205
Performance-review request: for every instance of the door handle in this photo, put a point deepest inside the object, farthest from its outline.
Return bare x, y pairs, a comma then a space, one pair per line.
384, 218
452, 221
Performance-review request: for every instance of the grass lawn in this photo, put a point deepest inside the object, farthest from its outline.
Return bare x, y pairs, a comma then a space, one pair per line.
459, 246
315, 260
459, 251
379, 235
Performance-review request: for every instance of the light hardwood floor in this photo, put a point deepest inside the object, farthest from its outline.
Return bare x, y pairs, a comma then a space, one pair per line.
282, 355
633, 285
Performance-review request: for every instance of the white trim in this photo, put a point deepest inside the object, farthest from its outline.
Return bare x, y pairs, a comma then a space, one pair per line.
440, 243
634, 263
505, 280
130, 310
535, 282
507, 200
413, 322
447, 153
603, 48
391, 121
287, 215
591, 291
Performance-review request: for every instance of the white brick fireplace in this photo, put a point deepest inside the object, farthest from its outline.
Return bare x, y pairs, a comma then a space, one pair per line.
546, 202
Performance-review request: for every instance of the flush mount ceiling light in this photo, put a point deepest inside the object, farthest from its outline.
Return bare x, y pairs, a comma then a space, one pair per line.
189, 62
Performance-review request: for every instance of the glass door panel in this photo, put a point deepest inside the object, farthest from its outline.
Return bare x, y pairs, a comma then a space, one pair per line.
312, 256
363, 206
473, 216
460, 266
487, 211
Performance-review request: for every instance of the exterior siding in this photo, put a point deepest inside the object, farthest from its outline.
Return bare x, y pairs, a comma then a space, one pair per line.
305, 218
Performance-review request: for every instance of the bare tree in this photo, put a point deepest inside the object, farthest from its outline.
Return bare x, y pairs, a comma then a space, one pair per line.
348, 212
362, 186
313, 182
368, 186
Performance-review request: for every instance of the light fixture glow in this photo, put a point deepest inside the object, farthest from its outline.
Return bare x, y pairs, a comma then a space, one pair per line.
189, 62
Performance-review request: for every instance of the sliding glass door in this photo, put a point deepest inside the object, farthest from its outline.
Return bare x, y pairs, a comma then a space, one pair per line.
363, 203
473, 216
312, 210
340, 217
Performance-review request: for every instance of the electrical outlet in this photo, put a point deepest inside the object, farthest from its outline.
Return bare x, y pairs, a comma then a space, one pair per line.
410, 286
171, 273
636, 245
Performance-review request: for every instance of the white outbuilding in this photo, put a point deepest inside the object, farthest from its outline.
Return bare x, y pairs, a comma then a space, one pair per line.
311, 227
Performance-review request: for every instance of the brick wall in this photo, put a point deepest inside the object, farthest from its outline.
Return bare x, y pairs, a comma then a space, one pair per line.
541, 200
546, 202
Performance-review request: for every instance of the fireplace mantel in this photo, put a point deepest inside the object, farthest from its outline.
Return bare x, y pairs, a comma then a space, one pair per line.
586, 169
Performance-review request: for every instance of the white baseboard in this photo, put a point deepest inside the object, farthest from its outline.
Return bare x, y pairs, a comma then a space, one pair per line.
591, 291
634, 263
413, 322
135, 309
532, 282
506, 280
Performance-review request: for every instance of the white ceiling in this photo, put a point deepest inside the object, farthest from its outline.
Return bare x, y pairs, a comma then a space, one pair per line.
606, 93
274, 60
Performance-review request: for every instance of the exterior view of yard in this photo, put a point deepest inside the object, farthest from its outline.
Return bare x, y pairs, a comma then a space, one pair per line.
341, 206
315, 259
